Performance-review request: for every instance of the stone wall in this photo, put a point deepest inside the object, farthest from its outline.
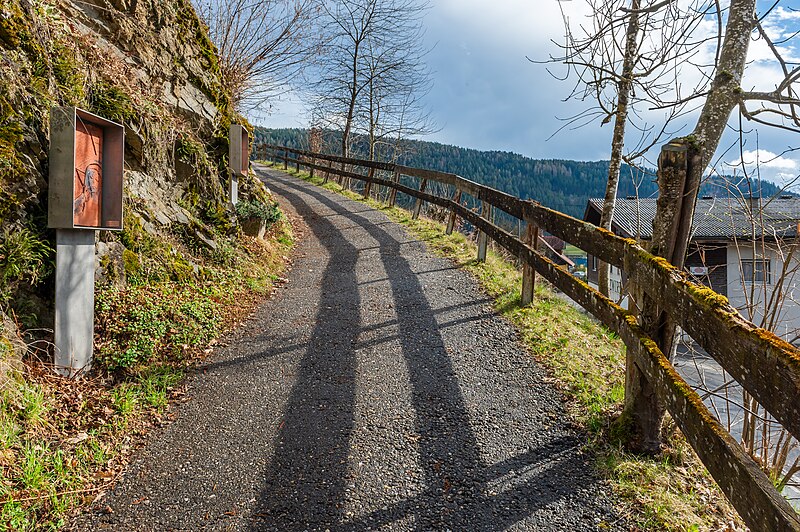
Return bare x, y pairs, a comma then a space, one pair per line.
147, 64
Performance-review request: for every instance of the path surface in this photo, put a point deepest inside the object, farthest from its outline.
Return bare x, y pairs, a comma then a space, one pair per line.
376, 390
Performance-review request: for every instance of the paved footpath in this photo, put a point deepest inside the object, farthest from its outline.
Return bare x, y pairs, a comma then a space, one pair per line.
376, 390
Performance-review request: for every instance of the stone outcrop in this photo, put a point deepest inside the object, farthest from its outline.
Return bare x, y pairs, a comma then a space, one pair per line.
147, 64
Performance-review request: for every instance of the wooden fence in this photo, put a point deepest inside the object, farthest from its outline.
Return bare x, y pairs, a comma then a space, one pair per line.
766, 366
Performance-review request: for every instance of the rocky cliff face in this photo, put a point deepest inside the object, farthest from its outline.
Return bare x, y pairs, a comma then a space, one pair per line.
145, 63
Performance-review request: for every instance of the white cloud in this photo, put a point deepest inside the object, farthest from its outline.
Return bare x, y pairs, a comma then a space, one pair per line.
765, 159
786, 14
784, 178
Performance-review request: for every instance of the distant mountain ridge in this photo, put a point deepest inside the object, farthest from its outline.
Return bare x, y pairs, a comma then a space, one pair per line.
563, 185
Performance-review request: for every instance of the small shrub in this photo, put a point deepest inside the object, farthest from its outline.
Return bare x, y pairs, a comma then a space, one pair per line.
111, 102
143, 325
217, 216
246, 210
135, 237
24, 258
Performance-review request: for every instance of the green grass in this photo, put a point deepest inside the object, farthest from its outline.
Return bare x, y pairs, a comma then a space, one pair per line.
61, 441
671, 492
569, 249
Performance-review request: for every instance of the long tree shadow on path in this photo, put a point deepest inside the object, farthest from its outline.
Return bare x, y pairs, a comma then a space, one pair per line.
457, 493
309, 465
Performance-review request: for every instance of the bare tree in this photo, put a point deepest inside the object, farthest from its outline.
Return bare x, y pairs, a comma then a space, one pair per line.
262, 45
372, 76
679, 190
398, 81
624, 58
647, 55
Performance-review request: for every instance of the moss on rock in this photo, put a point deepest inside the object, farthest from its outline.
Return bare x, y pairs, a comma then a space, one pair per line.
131, 263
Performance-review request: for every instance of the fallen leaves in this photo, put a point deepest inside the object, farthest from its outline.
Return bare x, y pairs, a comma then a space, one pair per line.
81, 436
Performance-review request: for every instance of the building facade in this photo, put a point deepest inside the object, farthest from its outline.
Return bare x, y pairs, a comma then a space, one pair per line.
744, 249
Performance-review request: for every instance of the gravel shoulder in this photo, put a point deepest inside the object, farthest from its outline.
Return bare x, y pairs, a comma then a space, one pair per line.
376, 390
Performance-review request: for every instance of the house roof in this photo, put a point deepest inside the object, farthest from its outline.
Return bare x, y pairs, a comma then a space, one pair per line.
556, 243
714, 218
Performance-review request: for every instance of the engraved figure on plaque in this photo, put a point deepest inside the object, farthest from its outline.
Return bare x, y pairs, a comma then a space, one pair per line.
88, 186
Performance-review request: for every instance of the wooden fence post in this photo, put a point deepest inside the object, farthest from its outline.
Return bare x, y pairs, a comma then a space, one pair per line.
393, 193
528, 273
311, 168
483, 238
451, 220
368, 184
418, 205
643, 411
297, 162
285, 158
328, 173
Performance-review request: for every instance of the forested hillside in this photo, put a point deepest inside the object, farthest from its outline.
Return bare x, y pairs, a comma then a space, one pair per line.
560, 184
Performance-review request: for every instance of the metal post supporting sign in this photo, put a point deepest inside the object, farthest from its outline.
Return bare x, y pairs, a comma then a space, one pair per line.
238, 158
84, 195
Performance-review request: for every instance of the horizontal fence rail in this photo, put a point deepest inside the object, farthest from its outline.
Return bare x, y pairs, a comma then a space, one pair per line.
766, 366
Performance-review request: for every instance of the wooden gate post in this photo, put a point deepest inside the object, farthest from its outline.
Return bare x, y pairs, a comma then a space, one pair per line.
483, 238
368, 184
285, 158
393, 193
418, 205
451, 220
643, 411
528, 273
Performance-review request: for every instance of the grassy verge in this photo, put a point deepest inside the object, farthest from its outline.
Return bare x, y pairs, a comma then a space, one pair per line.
587, 362
62, 442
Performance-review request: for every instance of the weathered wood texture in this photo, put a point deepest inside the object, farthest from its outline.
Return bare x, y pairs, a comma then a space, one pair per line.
368, 183
451, 219
528, 271
418, 205
483, 238
766, 366
393, 188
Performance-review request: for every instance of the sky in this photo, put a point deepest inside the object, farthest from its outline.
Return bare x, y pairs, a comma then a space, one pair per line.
488, 95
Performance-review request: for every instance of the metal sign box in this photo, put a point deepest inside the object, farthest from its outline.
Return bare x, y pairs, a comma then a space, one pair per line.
239, 154
86, 171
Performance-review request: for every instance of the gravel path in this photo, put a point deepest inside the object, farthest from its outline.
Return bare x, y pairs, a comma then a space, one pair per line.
376, 390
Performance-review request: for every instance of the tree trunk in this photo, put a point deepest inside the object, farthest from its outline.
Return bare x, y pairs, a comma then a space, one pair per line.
681, 169
624, 88
351, 105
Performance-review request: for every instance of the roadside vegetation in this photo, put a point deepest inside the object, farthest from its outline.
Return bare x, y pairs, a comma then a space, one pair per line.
63, 441
672, 491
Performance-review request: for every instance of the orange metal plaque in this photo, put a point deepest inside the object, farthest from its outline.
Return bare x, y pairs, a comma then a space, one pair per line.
88, 174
